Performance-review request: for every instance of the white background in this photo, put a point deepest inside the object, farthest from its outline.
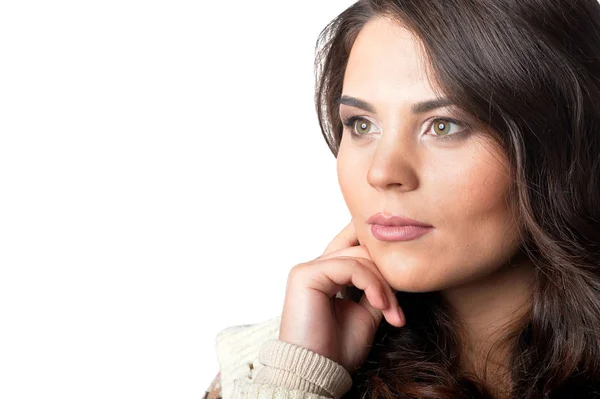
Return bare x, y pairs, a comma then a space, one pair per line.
161, 170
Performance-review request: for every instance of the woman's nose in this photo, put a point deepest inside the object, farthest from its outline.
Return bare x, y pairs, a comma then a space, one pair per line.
393, 163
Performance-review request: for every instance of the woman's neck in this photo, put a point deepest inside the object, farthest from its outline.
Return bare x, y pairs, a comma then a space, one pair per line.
487, 310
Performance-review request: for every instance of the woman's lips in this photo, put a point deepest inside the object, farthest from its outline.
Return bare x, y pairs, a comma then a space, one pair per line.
398, 233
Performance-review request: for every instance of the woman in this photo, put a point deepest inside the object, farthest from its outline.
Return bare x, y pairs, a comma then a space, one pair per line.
476, 124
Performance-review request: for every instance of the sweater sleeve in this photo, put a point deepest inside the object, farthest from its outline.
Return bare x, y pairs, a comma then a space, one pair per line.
294, 368
254, 364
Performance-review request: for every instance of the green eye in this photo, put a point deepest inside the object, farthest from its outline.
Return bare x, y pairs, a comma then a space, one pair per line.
359, 126
442, 128
362, 126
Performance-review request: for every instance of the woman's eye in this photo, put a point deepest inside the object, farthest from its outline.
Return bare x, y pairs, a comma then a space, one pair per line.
359, 126
362, 126
442, 127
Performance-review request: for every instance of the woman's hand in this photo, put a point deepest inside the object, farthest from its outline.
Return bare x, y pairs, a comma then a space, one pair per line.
339, 329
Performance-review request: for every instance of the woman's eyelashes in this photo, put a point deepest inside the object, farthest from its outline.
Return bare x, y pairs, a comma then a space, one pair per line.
358, 129
442, 127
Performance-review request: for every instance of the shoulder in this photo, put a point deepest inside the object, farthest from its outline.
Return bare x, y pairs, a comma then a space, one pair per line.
237, 351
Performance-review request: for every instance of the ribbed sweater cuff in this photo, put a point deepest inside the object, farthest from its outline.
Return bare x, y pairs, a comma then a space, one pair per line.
295, 367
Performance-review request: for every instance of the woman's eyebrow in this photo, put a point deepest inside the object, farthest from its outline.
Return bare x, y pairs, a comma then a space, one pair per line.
416, 108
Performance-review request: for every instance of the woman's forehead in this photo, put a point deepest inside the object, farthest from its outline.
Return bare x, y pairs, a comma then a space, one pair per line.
386, 61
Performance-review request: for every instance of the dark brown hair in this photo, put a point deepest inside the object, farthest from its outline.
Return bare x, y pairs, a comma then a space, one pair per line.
529, 70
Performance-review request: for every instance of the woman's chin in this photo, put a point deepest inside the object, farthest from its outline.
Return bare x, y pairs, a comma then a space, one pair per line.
415, 273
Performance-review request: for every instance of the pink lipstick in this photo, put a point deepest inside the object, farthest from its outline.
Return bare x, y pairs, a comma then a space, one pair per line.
397, 228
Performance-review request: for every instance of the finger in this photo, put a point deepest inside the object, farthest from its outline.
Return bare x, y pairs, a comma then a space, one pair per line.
331, 275
363, 274
358, 251
369, 264
362, 255
344, 239
376, 313
393, 312
379, 306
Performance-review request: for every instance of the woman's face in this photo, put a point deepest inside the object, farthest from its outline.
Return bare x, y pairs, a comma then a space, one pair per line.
405, 164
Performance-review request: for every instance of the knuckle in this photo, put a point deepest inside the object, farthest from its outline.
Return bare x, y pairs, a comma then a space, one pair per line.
298, 270
292, 274
327, 249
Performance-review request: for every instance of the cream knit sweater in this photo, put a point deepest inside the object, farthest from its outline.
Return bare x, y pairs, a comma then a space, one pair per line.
254, 364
